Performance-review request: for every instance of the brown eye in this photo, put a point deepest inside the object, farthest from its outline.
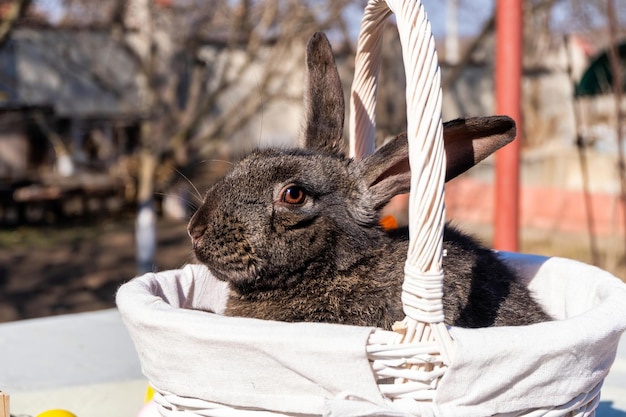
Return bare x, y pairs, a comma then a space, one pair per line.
294, 195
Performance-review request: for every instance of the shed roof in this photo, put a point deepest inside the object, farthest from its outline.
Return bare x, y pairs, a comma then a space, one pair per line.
81, 73
598, 78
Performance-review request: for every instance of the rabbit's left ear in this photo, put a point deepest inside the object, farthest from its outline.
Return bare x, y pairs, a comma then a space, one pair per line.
323, 98
466, 143
469, 141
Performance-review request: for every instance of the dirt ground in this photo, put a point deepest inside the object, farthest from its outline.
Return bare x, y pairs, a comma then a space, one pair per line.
50, 270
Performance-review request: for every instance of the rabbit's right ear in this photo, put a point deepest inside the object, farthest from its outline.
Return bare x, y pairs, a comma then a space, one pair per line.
386, 172
323, 98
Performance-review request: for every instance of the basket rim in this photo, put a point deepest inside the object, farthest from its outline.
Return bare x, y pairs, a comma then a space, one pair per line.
154, 322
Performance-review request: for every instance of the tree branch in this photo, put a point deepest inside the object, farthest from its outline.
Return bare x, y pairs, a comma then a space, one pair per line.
14, 11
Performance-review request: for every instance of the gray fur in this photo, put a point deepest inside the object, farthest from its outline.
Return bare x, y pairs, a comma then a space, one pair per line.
325, 257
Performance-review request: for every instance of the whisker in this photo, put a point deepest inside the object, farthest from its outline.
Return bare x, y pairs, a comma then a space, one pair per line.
262, 116
190, 183
188, 203
190, 260
219, 160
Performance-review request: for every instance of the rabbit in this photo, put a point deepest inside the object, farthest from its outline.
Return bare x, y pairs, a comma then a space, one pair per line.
296, 232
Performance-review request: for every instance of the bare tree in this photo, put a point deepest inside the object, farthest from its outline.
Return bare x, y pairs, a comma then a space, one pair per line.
183, 89
13, 11
617, 73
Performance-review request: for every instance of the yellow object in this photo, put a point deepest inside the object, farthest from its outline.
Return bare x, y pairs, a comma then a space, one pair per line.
56, 413
149, 394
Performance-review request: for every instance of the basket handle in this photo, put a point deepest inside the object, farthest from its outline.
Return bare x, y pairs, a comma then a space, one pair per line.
423, 283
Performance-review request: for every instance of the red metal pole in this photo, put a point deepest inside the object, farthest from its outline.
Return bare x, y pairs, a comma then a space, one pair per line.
508, 86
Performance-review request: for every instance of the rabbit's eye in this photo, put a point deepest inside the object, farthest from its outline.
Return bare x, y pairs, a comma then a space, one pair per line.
294, 195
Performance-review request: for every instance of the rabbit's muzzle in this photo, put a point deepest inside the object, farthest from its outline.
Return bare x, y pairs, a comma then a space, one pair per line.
222, 245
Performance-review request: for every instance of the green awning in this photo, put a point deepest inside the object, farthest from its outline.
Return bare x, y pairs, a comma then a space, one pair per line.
597, 79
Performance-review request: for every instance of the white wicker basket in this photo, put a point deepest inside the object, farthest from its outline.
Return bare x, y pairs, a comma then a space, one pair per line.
205, 364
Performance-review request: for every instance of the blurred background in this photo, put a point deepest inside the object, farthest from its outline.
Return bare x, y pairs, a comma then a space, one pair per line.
116, 115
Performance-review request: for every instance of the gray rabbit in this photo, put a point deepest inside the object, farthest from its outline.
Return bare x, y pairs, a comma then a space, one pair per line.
296, 233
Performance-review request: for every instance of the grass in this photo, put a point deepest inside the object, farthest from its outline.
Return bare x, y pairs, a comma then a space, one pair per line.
48, 236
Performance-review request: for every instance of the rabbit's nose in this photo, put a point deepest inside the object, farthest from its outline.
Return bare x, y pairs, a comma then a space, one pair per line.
195, 233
